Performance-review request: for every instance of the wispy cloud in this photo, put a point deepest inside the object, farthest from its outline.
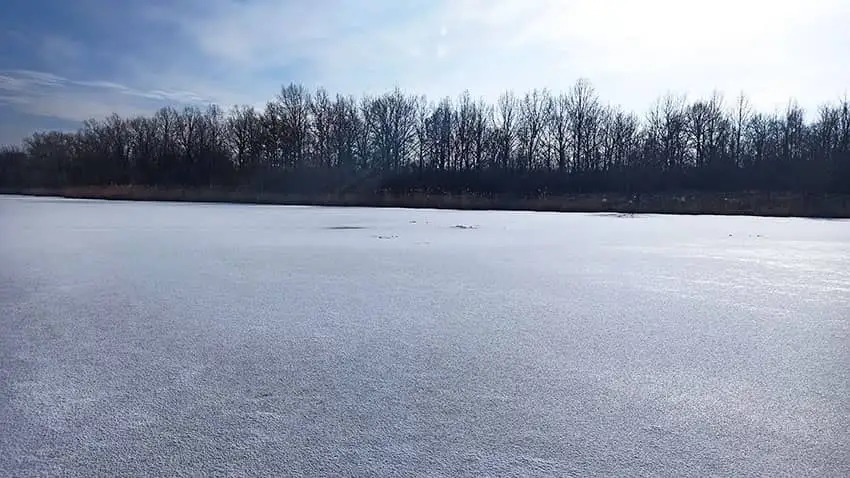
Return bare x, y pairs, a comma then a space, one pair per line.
47, 94
23, 80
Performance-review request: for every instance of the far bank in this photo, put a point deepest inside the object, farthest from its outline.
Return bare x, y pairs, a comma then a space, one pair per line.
770, 204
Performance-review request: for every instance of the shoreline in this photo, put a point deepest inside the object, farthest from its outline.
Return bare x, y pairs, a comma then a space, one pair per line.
767, 204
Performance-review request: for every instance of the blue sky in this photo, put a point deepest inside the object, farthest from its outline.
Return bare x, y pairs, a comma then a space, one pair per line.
65, 61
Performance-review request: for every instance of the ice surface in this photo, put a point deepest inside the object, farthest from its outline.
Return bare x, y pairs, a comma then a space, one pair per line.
162, 339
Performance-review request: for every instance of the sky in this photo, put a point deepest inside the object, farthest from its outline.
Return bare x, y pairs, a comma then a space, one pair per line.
62, 62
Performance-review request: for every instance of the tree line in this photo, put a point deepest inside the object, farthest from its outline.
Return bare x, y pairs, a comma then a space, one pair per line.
532, 144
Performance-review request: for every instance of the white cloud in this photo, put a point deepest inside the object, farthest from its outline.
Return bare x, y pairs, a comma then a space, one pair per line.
632, 51
265, 34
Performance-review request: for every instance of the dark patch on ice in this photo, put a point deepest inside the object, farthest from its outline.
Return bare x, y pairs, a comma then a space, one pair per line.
387, 237
345, 228
463, 226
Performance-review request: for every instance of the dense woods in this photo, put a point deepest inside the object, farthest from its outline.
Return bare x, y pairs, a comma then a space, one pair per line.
530, 145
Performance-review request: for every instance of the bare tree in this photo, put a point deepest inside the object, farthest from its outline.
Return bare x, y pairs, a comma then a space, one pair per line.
741, 114
322, 114
294, 113
481, 125
667, 130
392, 121
533, 120
439, 132
583, 111
348, 134
506, 128
558, 124
423, 108
463, 135
243, 136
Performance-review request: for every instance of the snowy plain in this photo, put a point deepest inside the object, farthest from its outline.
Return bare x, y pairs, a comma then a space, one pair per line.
165, 339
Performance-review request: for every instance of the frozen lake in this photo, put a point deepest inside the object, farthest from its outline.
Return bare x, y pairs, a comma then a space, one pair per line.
167, 339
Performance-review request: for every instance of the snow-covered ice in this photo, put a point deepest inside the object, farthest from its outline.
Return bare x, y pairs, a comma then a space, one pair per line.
164, 339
